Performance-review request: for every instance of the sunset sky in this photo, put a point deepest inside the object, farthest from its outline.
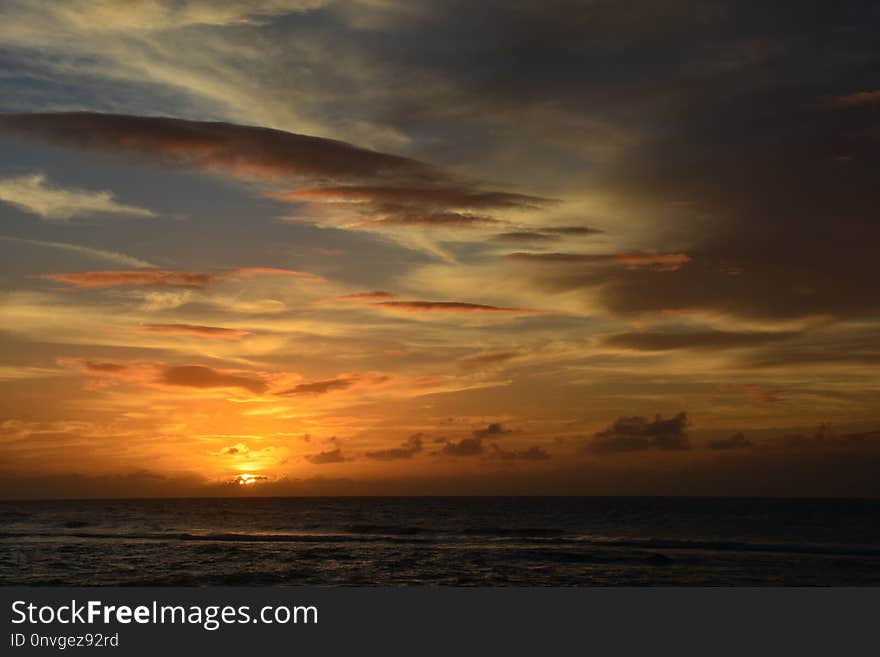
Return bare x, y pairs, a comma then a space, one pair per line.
393, 247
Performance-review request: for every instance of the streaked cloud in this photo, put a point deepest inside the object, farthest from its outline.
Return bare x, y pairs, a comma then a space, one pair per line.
195, 330
89, 252
446, 306
167, 277
34, 194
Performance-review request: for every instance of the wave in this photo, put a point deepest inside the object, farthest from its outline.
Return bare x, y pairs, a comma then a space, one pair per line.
498, 537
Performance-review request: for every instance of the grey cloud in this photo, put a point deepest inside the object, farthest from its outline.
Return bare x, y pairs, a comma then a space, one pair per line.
634, 434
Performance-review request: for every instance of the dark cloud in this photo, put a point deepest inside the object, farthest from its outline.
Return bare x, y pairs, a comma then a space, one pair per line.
199, 376
380, 187
736, 441
633, 434
434, 196
412, 446
464, 447
635, 260
524, 236
235, 149
326, 457
493, 430
534, 453
446, 306
319, 387
571, 230
657, 341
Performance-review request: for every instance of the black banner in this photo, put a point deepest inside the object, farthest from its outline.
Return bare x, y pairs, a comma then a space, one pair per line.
237, 621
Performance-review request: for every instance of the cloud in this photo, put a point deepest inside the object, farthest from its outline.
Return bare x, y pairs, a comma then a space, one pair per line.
464, 447
736, 441
33, 194
363, 297
323, 458
103, 368
412, 446
657, 341
446, 306
534, 453
98, 254
632, 434
239, 449
481, 361
199, 376
115, 16
139, 278
494, 429
195, 330
168, 277
234, 149
757, 393
631, 260
378, 187
858, 98
319, 387
524, 236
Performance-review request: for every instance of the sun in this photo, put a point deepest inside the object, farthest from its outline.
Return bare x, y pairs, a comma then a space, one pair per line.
246, 479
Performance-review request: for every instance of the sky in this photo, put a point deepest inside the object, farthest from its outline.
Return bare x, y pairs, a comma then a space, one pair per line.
382, 247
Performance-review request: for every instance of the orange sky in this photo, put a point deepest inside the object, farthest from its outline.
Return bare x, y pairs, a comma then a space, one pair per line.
236, 242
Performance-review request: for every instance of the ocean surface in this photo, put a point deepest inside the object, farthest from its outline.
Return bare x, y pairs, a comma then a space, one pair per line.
509, 541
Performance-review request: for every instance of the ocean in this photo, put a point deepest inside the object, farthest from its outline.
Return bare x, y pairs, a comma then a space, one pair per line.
455, 541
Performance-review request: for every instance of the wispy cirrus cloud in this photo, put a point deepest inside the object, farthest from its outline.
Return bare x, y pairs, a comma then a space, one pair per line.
447, 307
319, 387
194, 330
89, 252
364, 297
168, 277
34, 194
630, 260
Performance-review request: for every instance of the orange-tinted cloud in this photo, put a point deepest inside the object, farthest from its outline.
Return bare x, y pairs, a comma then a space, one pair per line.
167, 277
859, 98
274, 271
320, 387
446, 306
630, 260
383, 188
486, 360
137, 278
199, 376
444, 195
364, 297
196, 330
235, 149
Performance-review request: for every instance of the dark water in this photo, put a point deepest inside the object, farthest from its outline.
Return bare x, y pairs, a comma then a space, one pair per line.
448, 541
